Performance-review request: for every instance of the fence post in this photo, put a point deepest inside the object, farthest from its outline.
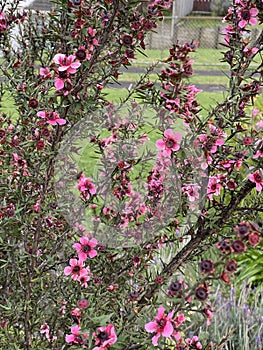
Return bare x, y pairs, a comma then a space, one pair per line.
173, 20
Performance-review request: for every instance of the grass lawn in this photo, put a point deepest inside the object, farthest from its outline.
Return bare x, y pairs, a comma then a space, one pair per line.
7, 105
203, 58
207, 100
195, 79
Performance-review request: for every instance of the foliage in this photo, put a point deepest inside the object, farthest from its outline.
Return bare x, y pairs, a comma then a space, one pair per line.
104, 208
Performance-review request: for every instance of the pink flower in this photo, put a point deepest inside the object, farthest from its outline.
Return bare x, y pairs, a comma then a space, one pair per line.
162, 325
83, 279
3, 22
210, 142
257, 177
214, 187
105, 337
259, 153
170, 143
85, 186
45, 73
75, 332
66, 63
194, 342
192, 192
92, 41
76, 337
247, 16
75, 269
86, 248
51, 117
44, 329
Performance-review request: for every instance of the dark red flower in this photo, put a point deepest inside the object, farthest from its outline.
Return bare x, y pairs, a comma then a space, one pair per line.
201, 292
238, 247
224, 246
207, 266
40, 145
225, 277
126, 40
242, 229
231, 266
33, 103
254, 238
175, 288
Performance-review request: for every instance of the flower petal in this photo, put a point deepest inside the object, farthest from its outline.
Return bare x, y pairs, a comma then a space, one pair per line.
151, 326
155, 339
160, 144
92, 253
168, 330
59, 84
58, 58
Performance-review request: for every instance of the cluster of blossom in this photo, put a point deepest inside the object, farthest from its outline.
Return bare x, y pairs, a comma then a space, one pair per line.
177, 98
77, 270
3, 22
86, 187
247, 233
103, 337
68, 66
168, 327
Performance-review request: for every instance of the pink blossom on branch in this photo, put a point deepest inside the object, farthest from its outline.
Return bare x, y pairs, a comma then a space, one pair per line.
162, 325
86, 187
257, 178
247, 16
76, 269
66, 63
76, 337
3, 22
85, 248
170, 143
105, 337
45, 73
52, 118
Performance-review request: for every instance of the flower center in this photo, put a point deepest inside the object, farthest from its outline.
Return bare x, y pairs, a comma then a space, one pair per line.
76, 269
86, 249
257, 177
201, 293
161, 323
169, 143
245, 15
51, 116
175, 287
127, 40
81, 54
103, 336
209, 145
243, 229
62, 75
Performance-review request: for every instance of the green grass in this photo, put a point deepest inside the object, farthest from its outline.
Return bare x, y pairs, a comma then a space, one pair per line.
7, 105
195, 79
202, 57
207, 100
